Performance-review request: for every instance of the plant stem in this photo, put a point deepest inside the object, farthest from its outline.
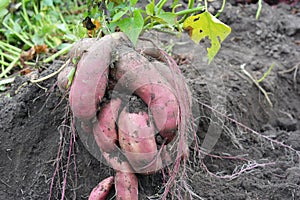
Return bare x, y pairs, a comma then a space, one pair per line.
160, 5
46, 41
185, 12
10, 46
205, 4
221, 9
256, 83
258, 9
3, 63
266, 74
10, 51
19, 35
191, 4
188, 11
59, 53
52, 74
11, 65
25, 15
9, 57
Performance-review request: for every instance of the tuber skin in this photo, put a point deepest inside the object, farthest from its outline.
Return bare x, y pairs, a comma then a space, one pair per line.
104, 129
101, 191
137, 140
89, 84
80, 47
126, 185
62, 78
136, 74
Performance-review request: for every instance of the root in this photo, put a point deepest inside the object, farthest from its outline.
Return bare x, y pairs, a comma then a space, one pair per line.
71, 147
257, 84
239, 170
52, 74
295, 69
281, 144
65, 131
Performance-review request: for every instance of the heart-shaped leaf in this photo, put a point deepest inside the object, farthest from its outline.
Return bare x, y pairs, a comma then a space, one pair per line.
132, 26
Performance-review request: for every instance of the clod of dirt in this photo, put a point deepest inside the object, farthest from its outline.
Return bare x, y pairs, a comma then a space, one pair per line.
293, 175
289, 26
136, 105
286, 124
294, 140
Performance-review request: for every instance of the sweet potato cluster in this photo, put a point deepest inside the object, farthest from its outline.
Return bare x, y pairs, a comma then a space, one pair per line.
141, 126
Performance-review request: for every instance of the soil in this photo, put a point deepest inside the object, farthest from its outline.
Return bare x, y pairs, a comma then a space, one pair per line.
32, 118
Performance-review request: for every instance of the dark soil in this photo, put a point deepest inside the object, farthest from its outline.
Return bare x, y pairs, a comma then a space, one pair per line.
31, 117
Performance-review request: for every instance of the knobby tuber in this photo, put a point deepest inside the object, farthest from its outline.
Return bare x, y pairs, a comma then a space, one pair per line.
101, 191
126, 131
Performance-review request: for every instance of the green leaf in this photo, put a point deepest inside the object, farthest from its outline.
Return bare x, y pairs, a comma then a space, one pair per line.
169, 18
38, 39
133, 2
3, 4
150, 8
17, 27
206, 25
3, 12
118, 15
62, 27
47, 3
133, 26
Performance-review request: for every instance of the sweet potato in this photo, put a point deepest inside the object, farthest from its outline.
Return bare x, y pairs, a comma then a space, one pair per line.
136, 74
105, 128
126, 185
101, 191
136, 138
91, 76
79, 47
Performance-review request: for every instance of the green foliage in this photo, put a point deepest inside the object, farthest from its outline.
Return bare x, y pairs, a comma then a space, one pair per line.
37, 23
133, 20
132, 26
58, 24
30, 23
3, 10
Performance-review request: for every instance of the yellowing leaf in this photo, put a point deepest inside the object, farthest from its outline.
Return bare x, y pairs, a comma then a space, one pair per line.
206, 25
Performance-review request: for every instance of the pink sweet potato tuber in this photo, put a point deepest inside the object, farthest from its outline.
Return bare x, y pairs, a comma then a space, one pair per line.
105, 129
136, 138
126, 185
126, 134
101, 191
81, 47
91, 76
136, 74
